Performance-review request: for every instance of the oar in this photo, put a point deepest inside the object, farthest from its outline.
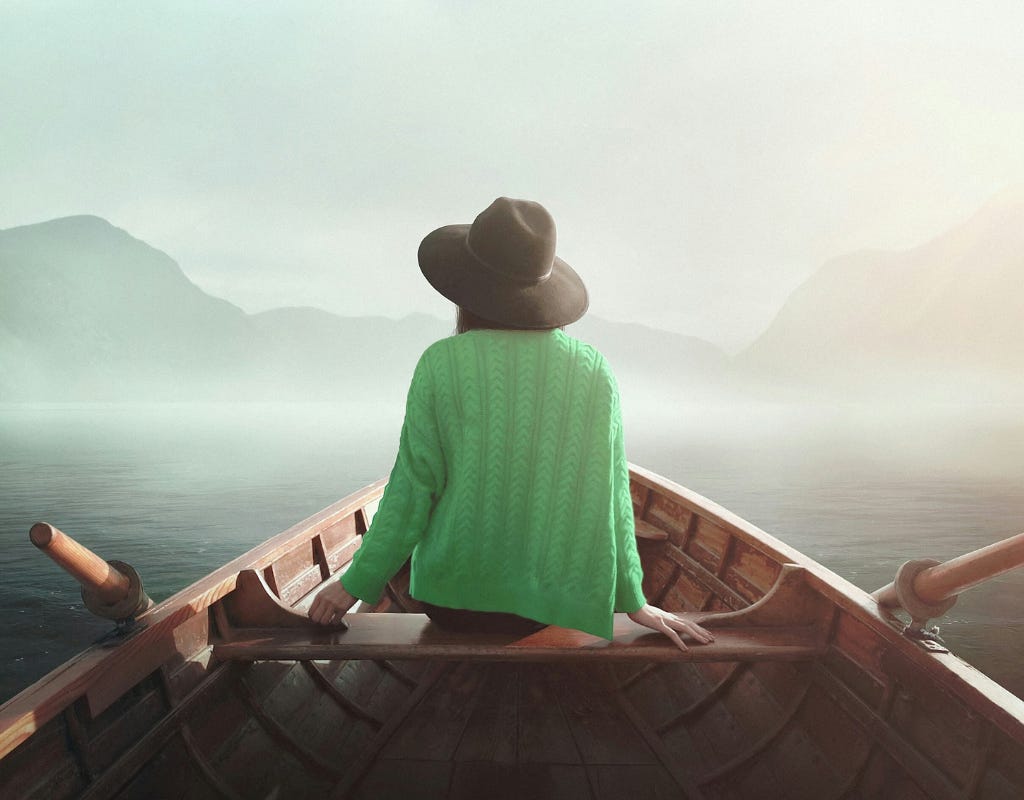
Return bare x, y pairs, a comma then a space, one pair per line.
110, 589
927, 589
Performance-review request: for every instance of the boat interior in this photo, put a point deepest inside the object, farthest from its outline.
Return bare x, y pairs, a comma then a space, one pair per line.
809, 690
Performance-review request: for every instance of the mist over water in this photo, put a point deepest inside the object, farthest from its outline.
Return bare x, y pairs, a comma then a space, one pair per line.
862, 489
179, 489
176, 490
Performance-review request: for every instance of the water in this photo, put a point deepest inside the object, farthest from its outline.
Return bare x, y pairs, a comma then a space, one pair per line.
178, 489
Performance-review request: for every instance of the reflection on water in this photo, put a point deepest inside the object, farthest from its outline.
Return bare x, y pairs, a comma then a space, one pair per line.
179, 489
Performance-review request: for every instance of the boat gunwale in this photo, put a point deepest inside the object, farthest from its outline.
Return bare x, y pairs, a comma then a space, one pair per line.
955, 675
100, 673
94, 670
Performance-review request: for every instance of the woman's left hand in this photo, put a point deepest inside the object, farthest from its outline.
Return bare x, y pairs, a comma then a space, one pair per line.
331, 604
668, 623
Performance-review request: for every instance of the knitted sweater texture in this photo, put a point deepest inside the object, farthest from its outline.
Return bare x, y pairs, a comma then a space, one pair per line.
511, 487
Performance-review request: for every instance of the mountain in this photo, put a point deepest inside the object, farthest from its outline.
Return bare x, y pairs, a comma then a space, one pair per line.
308, 353
944, 318
88, 312
85, 306
673, 366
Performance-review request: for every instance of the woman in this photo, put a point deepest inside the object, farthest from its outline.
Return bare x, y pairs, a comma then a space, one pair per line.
511, 487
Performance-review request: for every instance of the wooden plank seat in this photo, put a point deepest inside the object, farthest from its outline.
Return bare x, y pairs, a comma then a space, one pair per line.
789, 623
414, 636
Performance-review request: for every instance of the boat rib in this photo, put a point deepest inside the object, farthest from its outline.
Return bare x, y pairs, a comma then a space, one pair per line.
343, 701
227, 689
705, 701
281, 735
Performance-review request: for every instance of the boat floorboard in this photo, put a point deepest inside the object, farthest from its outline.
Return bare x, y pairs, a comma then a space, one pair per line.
518, 730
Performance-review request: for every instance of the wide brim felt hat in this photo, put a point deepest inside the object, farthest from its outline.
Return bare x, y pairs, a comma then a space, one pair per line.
503, 267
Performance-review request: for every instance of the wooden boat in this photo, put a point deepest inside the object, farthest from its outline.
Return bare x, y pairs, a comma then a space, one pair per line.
811, 689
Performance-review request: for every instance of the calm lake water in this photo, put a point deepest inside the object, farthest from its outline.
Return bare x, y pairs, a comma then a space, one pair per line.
178, 489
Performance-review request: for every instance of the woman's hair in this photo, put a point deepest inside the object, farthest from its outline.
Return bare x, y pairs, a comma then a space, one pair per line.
468, 321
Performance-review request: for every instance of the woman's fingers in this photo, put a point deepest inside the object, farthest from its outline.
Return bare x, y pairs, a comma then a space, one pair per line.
322, 612
317, 611
671, 625
665, 628
326, 616
331, 604
692, 628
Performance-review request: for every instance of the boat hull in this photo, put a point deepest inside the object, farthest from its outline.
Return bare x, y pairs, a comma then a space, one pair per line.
171, 713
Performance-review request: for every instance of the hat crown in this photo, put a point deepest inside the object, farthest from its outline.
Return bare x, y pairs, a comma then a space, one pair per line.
515, 238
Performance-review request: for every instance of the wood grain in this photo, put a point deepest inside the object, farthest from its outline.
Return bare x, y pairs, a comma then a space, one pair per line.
413, 636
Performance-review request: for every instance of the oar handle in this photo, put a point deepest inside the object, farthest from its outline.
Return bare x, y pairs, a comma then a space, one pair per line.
95, 574
937, 584
110, 589
970, 569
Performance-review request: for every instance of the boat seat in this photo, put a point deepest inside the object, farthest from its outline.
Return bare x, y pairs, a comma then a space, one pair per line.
414, 636
790, 623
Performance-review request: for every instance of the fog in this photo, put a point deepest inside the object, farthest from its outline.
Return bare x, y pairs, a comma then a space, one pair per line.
797, 224
801, 227
701, 160
177, 489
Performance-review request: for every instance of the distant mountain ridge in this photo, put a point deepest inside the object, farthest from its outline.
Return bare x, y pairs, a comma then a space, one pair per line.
89, 312
89, 306
948, 314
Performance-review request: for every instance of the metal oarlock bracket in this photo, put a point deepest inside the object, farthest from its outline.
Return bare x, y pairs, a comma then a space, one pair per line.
927, 589
920, 610
928, 637
123, 629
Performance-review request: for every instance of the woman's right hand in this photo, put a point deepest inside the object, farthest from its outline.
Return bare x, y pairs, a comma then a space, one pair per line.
331, 604
671, 625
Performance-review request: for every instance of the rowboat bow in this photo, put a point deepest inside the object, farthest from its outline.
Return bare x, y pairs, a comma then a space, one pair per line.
811, 688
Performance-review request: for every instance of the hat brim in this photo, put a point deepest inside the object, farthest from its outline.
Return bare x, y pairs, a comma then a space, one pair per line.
450, 267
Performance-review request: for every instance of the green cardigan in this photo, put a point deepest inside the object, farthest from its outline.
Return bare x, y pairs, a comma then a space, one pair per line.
511, 487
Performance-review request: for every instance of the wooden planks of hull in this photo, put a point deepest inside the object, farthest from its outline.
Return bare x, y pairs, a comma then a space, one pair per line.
181, 711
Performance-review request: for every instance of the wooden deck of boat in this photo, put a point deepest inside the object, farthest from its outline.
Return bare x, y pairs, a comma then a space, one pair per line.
822, 698
460, 729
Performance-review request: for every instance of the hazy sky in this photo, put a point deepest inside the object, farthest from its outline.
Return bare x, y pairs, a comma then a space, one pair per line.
700, 159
